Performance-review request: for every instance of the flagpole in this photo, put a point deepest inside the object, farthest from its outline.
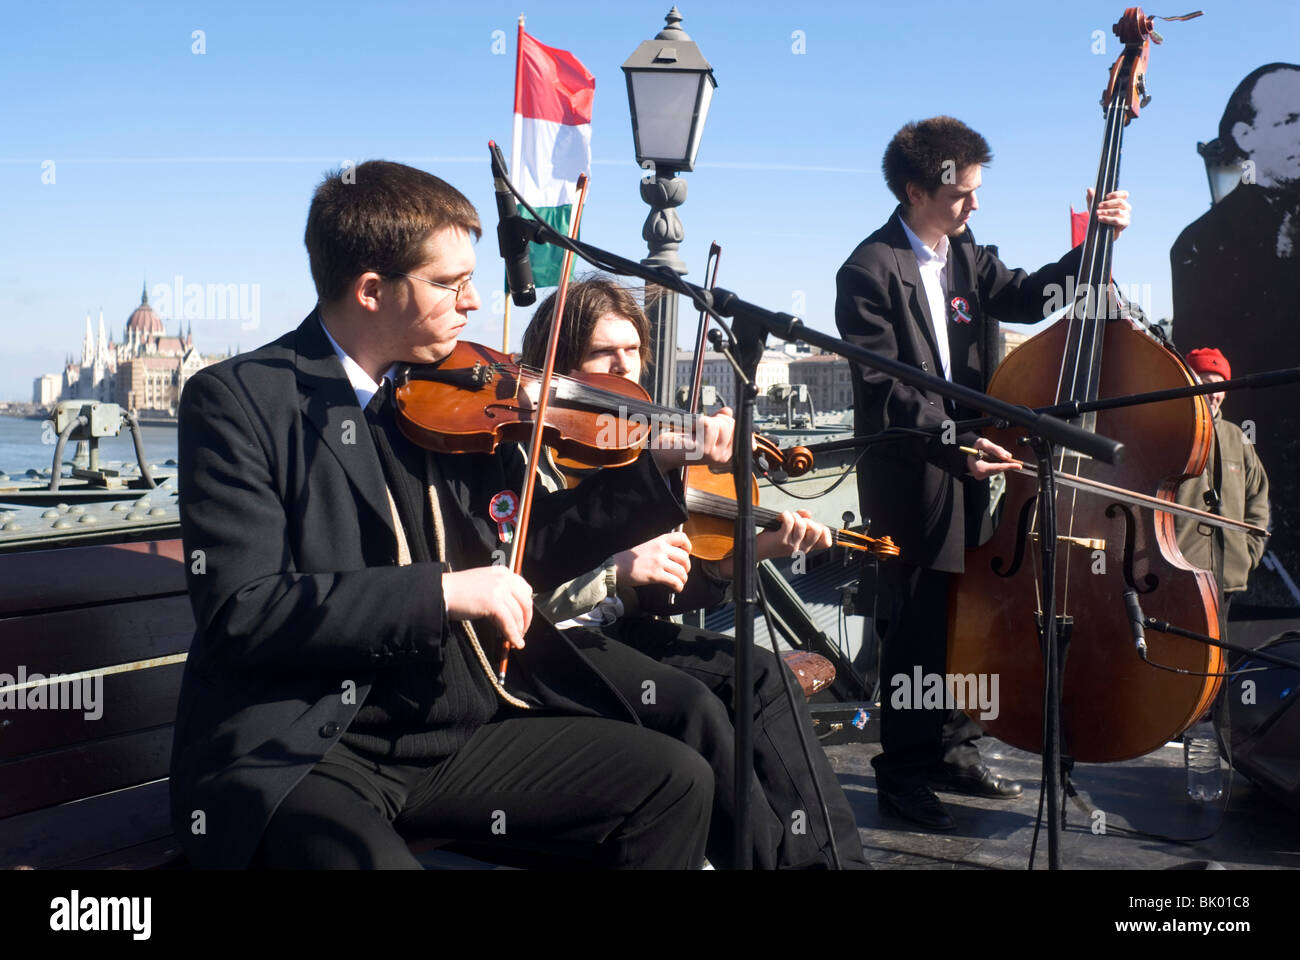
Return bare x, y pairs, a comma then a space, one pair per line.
516, 129
539, 411
516, 124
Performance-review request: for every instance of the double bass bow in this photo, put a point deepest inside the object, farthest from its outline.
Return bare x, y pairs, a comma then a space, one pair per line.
1113, 705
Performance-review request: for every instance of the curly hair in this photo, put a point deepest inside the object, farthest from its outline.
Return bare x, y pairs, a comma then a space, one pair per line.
924, 151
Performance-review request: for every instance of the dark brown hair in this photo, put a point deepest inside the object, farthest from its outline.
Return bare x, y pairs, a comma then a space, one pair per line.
924, 151
378, 216
589, 299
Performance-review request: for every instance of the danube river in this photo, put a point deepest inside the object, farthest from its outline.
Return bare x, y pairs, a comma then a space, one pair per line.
27, 444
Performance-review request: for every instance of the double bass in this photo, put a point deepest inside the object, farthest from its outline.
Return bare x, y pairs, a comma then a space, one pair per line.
1114, 706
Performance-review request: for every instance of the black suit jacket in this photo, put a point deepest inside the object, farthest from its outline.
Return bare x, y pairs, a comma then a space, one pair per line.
296, 593
910, 489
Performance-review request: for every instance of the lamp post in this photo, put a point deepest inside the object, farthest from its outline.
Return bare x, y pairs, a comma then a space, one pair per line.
669, 88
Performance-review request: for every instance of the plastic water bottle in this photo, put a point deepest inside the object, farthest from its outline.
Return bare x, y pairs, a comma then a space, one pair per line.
1201, 757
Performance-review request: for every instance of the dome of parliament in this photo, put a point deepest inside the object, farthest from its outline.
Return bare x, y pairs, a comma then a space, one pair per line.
143, 319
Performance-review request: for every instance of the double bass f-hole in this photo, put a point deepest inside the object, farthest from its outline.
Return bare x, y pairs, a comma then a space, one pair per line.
1149, 581
1027, 513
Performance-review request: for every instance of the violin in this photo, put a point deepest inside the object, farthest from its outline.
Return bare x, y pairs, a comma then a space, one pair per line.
478, 397
711, 503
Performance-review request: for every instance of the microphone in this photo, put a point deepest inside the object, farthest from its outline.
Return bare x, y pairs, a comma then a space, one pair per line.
1135, 621
511, 240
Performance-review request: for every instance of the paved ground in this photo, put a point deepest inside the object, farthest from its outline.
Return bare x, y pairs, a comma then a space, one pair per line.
1140, 795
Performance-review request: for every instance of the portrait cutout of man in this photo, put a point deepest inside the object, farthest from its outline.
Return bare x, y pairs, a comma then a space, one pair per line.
1236, 280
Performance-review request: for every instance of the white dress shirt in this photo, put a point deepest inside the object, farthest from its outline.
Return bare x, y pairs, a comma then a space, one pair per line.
933, 265
361, 382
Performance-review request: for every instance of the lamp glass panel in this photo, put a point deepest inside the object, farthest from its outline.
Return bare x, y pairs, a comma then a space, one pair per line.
665, 105
706, 97
1226, 179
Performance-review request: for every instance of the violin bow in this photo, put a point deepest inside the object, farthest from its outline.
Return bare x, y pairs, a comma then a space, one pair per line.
697, 371
543, 399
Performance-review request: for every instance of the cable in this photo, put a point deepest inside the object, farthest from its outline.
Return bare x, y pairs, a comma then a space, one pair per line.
798, 726
892, 433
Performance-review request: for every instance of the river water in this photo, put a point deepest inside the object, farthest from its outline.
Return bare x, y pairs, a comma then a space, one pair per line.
25, 444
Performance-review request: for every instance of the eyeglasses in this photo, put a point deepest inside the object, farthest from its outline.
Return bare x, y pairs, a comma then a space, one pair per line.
457, 288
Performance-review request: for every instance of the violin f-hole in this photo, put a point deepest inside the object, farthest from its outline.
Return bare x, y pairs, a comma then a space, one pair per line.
1149, 581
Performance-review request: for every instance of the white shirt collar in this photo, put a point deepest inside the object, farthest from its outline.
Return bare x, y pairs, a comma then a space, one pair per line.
924, 254
361, 381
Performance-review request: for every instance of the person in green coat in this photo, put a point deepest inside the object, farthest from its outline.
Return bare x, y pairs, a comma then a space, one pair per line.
1234, 478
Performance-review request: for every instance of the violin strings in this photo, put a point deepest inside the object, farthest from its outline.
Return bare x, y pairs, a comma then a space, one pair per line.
723, 507
575, 391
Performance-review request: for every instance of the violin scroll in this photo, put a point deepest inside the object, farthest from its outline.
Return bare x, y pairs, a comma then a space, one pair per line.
795, 461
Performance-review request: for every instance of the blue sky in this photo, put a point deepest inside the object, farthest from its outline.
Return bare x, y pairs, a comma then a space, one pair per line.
170, 163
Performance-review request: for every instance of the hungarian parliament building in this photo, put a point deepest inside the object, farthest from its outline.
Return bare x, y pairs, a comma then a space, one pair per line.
144, 373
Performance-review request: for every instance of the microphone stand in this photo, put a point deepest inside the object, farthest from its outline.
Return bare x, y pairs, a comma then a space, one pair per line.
1164, 626
1073, 409
1076, 408
752, 323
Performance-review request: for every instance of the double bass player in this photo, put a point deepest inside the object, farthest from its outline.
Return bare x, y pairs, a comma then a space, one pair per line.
920, 290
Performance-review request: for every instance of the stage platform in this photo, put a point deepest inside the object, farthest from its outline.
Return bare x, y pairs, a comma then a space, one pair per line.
1147, 795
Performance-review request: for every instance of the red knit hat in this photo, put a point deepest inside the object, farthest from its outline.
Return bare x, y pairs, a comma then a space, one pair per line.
1209, 360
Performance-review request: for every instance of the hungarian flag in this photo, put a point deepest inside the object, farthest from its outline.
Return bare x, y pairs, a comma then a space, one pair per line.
552, 140
1078, 226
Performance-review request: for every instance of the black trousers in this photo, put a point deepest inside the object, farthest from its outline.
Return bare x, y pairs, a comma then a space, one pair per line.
691, 675
914, 739
573, 787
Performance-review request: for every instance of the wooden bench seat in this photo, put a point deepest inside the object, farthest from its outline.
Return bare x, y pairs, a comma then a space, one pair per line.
87, 787
90, 791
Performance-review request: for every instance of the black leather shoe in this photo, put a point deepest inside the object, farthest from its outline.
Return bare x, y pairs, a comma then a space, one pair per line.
917, 804
978, 781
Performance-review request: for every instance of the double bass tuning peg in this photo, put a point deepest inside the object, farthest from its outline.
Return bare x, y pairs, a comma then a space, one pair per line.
1142, 90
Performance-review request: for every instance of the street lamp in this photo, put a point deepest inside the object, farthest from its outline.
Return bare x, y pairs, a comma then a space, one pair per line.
1223, 173
669, 89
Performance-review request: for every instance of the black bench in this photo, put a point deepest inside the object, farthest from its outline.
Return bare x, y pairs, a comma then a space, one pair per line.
90, 792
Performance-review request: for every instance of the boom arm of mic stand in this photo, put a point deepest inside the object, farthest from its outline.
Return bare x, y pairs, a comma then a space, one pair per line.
1164, 626
789, 327
1057, 431
1076, 408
